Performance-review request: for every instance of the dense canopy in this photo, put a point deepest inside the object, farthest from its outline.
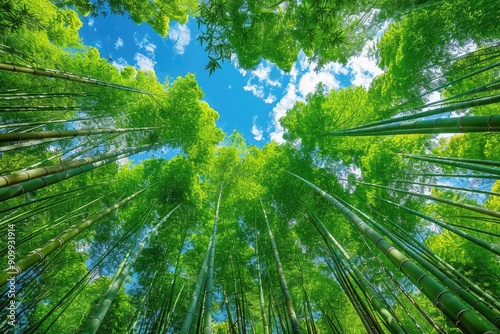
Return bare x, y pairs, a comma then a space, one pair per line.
125, 209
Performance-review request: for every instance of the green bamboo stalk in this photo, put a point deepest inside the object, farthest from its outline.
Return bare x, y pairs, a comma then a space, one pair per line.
311, 327
464, 124
198, 316
87, 277
209, 290
188, 319
229, 315
453, 107
346, 281
9, 137
28, 96
42, 108
167, 323
438, 199
8, 180
492, 85
466, 165
51, 225
265, 323
443, 277
161, 327
445, 301
31, 185
20, 146
91, 325
135, 318
284, 287
481, 243
475, 229
57, 121
472, 161
385, 313
24, 216
449, 83
465, 283
442, 186
93, 146
472, 176
403, 291
55, 243
272, 292
67, 76
48, 198
239, 323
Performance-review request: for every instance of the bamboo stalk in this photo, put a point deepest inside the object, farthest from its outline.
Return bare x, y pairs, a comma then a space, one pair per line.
453, 308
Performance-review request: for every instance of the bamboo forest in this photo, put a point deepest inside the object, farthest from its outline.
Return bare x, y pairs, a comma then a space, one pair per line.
126, 208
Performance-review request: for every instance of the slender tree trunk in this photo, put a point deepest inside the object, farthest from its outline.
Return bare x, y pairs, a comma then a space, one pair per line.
478, 304
453, 308
281, 274
207, 314
481, 243
385, 313
7, 180
38, 183
39, 254
66, 76
229, 316
98, 313
200, 284
464, 124
452, 107
438, 199
467, 165
441, 186
9, 137
265, 323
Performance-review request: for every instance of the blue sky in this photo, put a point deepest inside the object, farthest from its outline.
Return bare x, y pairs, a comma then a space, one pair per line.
250, 101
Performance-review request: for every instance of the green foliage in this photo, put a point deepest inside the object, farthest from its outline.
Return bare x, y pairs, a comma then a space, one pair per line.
157, 14
277, 31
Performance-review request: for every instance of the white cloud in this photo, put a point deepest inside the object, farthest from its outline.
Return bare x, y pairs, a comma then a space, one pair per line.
118, 43
294, 72
145, 44
181, 35
257, 91
263, 72
311, 75
363, 67
144, 62
263, 83
91, 22
243, 72
304, 78
309, 81
280, 110
119, 64
270, 99
256, 131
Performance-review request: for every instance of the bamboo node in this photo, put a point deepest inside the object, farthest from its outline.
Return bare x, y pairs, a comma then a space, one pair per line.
439, 296
376, 244
389, 250
20, 187
420, 278
403, 262
490, 127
